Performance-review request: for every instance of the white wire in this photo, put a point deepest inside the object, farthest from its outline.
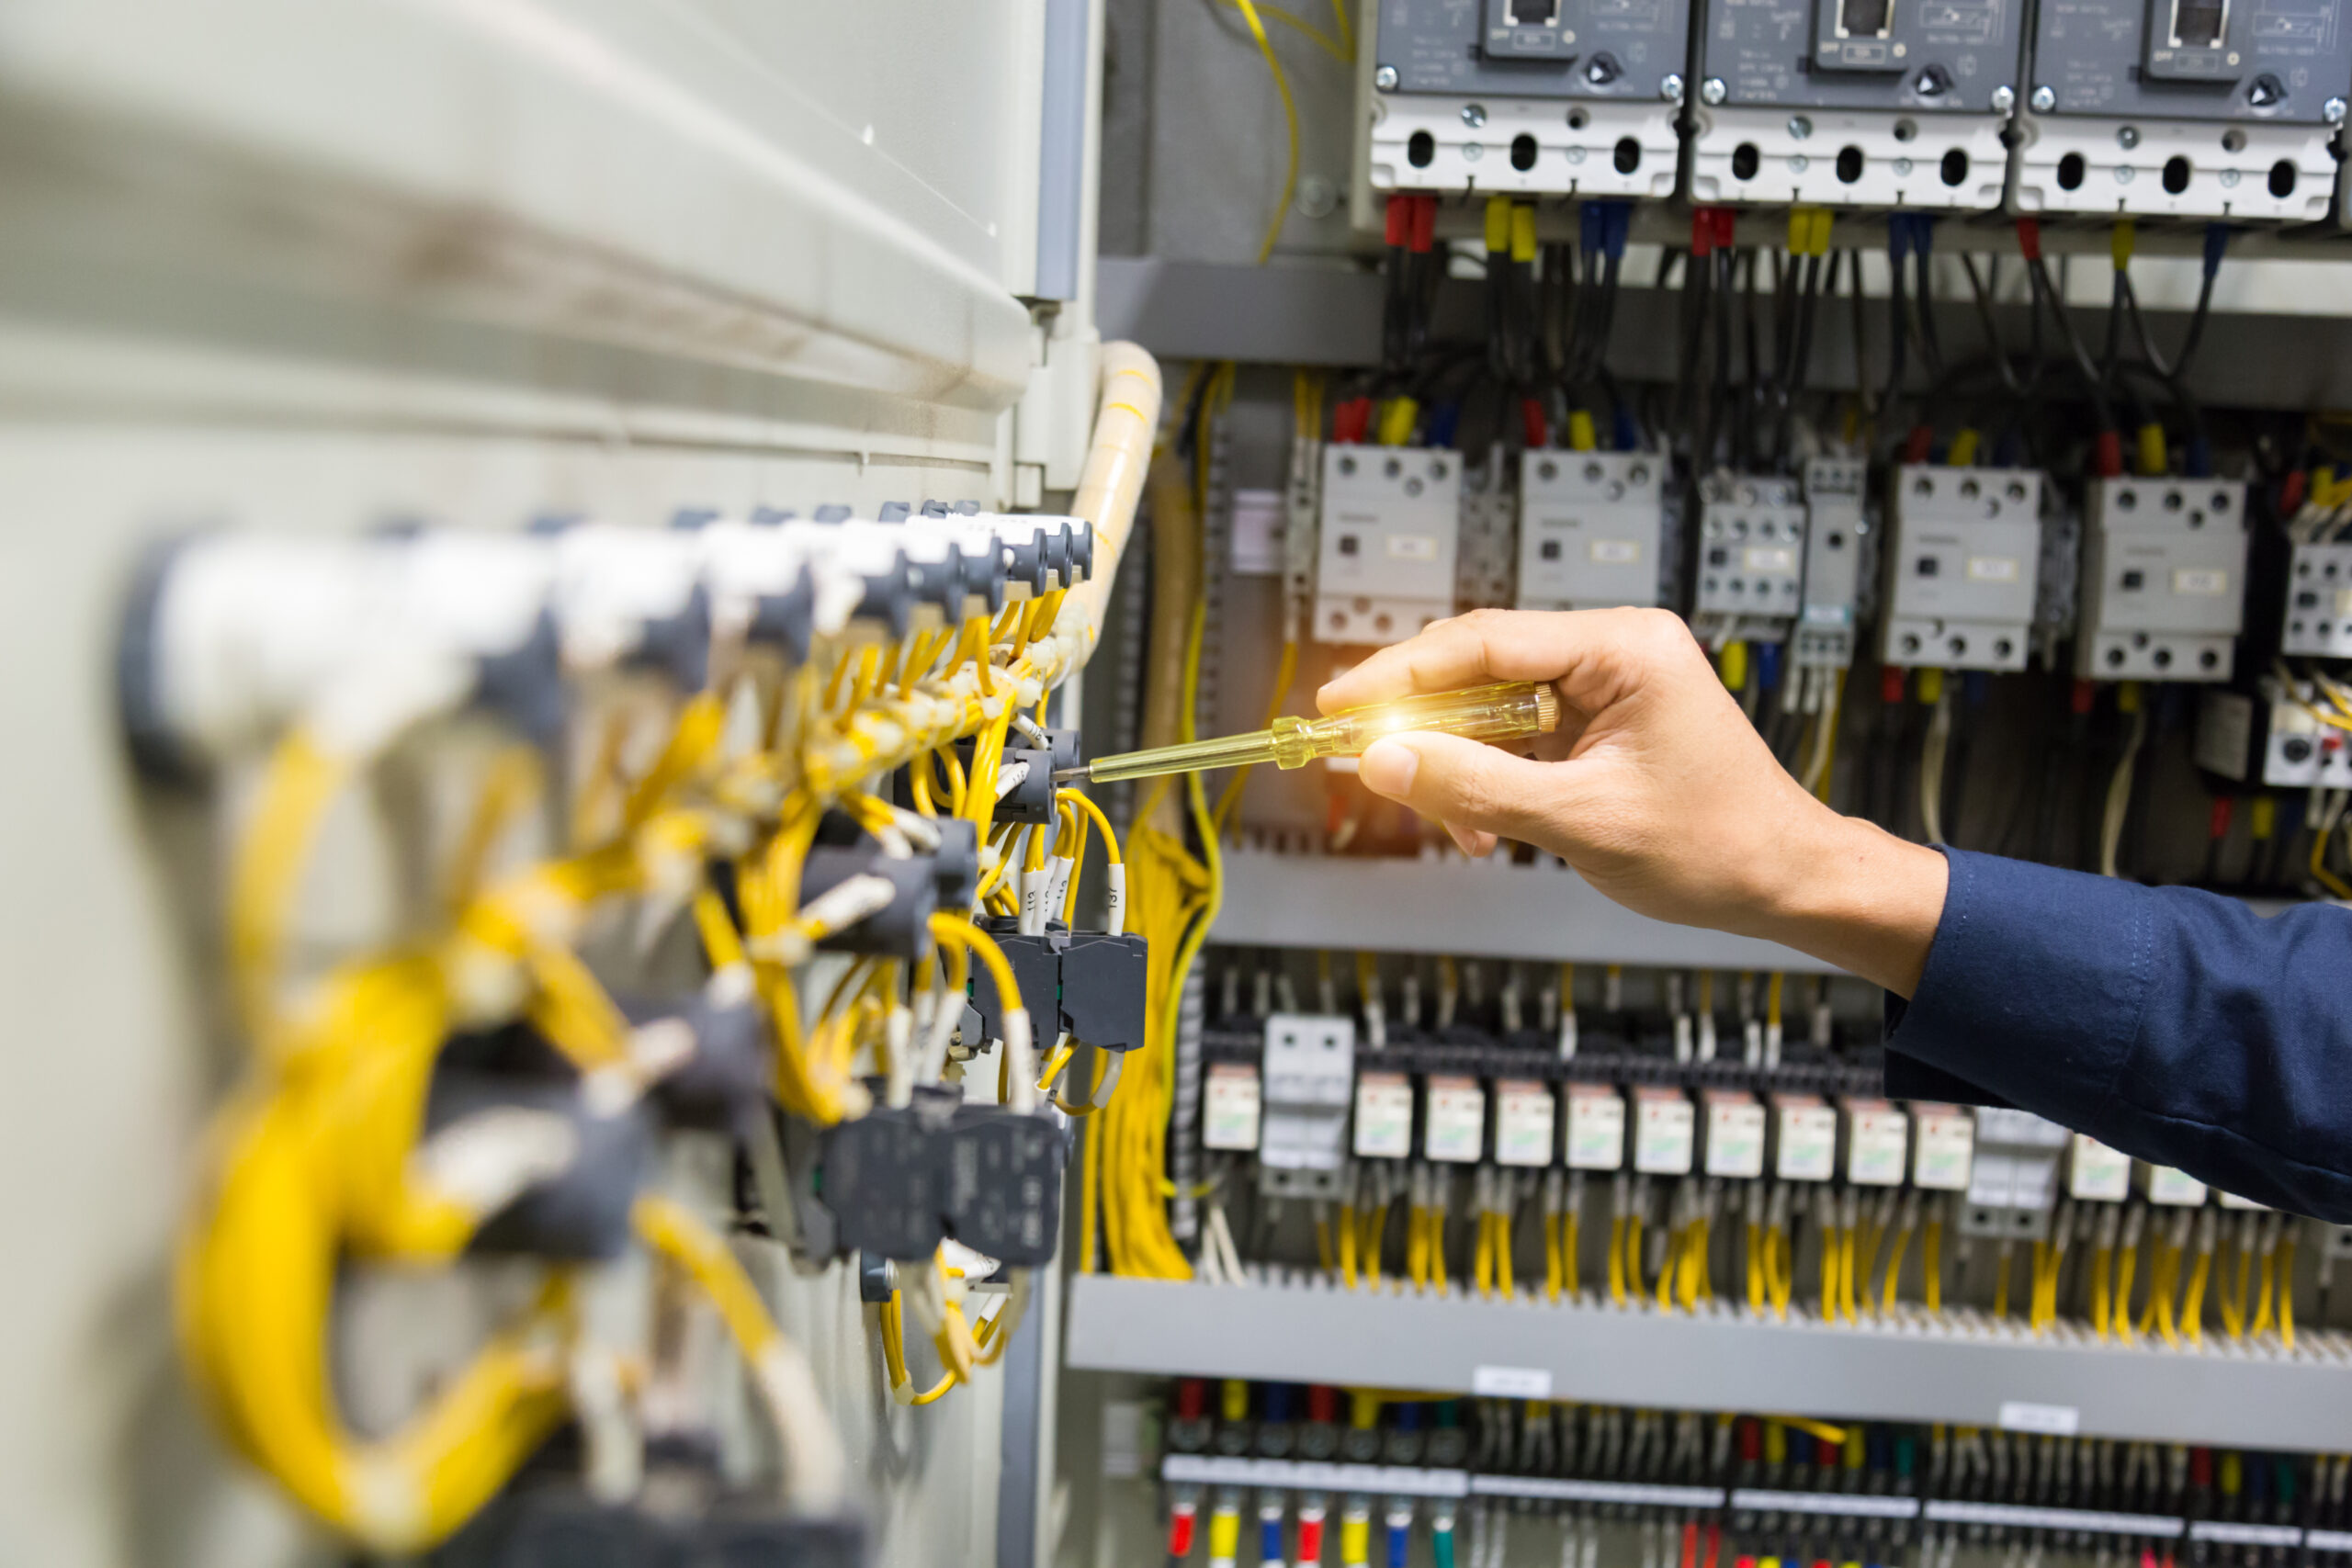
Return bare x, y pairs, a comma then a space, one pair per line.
2118, 794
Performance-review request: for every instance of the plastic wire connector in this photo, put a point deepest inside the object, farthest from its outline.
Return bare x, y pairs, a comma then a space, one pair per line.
1443, 421
1498, 224
2217, 244
1522, 231
1592, 225
1931, 686
2154, 456
1400, 1543
2196, 458
1398, 226
1702, 232
1424, 238
1726, 227
1225, 1534
1964, 442
1181, 1521
2120, 241
1532, 424
1898, 237
1734, 662
1580, 432
1270, 1537
1397, 417
2030, 238
1617, 226
2107, 455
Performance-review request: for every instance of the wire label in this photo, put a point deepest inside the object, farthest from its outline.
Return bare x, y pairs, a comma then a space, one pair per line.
1511, 1382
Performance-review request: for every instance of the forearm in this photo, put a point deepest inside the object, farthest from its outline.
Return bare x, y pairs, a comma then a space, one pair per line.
1853, 896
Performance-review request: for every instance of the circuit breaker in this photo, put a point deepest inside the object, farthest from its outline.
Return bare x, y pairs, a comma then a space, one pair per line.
2184, 109
2302, 750
1751, 556
1856, 102
2164, 569
1385, 553
1835, 528
1309, 1084
1962, 552
1589, 529
2318, 622
1552, 97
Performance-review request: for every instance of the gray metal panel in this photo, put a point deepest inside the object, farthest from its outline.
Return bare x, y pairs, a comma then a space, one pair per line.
1715, 1363
2287, 56
1025, 1439
1931, 60
1061, 149
1489, 908
1590, 48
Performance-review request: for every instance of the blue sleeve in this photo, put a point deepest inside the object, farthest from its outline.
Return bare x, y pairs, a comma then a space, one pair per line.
2174, 1025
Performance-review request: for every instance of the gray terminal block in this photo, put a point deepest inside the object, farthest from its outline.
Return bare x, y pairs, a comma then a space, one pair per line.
2184, 109
1590, 524
1856, 102
1751, 556
2319, 602
1537, 97
2013, 1175
1836, 530
1964, 551
1384, 551
2163, 580
1309, 1078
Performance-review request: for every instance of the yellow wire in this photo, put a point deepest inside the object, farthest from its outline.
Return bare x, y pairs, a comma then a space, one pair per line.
1290, 122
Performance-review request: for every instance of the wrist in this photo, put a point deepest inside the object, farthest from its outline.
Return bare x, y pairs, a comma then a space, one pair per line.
1853, 894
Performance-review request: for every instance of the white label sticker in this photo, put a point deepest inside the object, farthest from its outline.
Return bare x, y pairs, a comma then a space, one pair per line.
2098, 1174
1258, 524
1456, 1129
2209, 581
2048, 1420
1769, 559
1616, 552
1511, 1382
1877, 1140
1524, 1119
1596, 1131
1663, 1130
1992, 568
1412, 546
1808, 1144
1383, 1116
1734, 1138
1230, 1114
1947, 1142
2174, 1188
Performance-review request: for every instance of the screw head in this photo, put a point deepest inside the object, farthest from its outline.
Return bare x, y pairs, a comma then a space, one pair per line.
2332, 111
1670, 87
1385, 78
1799, 127
2127, 136
2044, 99
1473, 115
2004, 99
1712, 91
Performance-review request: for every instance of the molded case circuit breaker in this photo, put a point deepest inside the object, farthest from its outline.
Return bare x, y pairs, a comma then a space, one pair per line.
1552, 98
1385, 561
1962, 566
1856, 102
2163, 570
2184, 109
1589, 529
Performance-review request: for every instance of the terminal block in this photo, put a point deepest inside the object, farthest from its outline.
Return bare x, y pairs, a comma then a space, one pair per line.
1856, 102
1751, 556
1963, 554
1590, 524
1833, 551
2013, 1178
2164, 566
2184, 109
1385, 559
1557, 97
2318, 623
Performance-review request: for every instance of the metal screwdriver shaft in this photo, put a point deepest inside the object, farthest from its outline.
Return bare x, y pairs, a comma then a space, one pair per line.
1507, 711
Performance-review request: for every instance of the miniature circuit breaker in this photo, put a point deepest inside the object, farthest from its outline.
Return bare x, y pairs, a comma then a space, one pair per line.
2163, 570
1309, 1084
1751, 556
1834, 530
2184, 109
1964, 549
1855, 103
2013, 1176
2318, 623
1384, 555
1554, 97
1589, 529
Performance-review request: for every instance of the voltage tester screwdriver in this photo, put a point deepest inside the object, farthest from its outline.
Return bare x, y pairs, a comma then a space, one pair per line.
1503, 712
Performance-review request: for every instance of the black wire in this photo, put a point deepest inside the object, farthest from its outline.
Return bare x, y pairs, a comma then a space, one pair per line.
1983, 294
1898, 330
2197, 318
2045, 296
1800, 356
1931, 346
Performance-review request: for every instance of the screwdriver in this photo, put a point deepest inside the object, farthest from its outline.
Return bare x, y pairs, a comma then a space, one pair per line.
1505, 711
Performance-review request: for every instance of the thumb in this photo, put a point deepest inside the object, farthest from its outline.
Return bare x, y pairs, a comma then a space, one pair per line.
1466, 783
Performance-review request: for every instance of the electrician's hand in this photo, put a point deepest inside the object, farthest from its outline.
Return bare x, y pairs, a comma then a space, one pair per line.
1656, 788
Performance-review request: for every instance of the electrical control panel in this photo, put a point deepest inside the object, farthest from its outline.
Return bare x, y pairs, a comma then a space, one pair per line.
1751, 555
2318, 623
2163, 570
1834, 530
1386, 548
1963, 551
1856, 102
2303, 750
1589, 529
2184, 109
1527, 96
